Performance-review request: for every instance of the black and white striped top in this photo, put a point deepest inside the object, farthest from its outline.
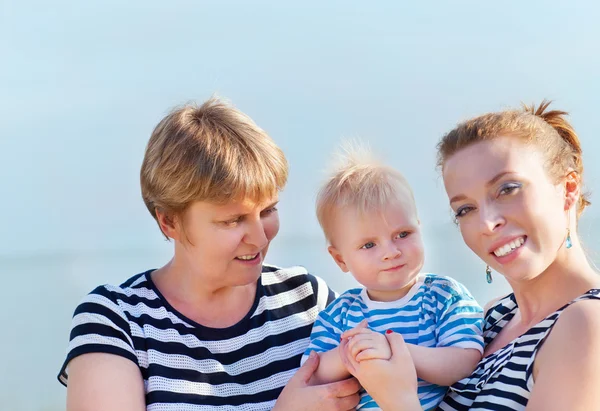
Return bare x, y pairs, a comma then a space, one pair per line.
187, 366
503, 380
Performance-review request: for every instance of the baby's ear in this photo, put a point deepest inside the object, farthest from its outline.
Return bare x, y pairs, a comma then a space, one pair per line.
337, 257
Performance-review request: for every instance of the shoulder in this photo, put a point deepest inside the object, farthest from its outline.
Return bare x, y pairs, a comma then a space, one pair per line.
444, 287
343, 303
275, 274
349, 297
116, 308
110, 308
102, 322
288, 278
579, 324
494, 302
296, 279
117, 298
570, 351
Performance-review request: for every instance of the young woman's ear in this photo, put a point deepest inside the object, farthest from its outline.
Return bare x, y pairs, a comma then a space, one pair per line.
572, 186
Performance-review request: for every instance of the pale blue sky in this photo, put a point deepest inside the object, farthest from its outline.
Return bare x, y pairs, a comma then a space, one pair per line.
84, 83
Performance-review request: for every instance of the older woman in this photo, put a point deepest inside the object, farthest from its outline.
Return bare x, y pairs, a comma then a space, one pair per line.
514, 180
215, 328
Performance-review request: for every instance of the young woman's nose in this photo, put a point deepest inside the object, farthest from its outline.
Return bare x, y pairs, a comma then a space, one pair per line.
490, 219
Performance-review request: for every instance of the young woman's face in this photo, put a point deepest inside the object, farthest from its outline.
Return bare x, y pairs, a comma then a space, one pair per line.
510, 212
227, 244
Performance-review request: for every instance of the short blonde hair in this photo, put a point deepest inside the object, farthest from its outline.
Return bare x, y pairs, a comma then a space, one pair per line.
212, 153
359, 181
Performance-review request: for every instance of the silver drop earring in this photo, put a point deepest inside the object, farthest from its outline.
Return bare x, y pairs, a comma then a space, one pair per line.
568, 241
488, 274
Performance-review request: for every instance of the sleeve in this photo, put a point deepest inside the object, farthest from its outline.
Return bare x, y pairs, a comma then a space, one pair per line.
460, 318
326, 331
324, 294
99, 325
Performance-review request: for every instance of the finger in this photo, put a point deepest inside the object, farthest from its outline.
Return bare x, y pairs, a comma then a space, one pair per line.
363, 324
345, 356
344, 388
356, 346
371, 338
355, 364
396, 341
372, 354
348, 403
356, 330
398, 347
306, 371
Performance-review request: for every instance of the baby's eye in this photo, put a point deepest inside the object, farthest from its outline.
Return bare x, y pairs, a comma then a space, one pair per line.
368, 245
402, 234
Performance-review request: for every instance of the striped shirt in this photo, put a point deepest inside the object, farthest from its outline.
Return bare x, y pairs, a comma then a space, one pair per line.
187, 366
437, 312
503, 380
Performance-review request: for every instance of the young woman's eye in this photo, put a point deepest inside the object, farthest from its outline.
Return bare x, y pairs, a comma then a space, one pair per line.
402, 234
509, 188
462, 211
368, 245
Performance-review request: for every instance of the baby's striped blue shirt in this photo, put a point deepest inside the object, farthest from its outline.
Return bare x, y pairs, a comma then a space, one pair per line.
438, 311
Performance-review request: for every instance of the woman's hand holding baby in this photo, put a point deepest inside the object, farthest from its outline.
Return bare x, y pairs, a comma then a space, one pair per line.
391, 381
365, 344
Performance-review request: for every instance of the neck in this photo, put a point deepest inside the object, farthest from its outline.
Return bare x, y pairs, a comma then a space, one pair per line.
205, 303
569, 276
391, 295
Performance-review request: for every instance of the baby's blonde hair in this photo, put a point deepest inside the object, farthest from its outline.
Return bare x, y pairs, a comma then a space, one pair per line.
360, 181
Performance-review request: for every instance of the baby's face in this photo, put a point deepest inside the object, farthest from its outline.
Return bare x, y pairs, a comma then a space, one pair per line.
382, 249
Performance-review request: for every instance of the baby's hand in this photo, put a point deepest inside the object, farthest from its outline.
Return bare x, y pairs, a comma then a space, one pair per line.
369, 345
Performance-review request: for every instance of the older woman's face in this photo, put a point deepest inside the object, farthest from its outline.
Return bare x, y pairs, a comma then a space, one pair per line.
509, 211
226, 244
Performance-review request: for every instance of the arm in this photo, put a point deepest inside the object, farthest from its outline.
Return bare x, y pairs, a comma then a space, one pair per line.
299, 395
101, 371
567, 368
103, 382
459, 337
324, 339
330, 368
443, 365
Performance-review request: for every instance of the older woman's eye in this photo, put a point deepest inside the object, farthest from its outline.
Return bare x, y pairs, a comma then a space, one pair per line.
269, 211
233, 222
